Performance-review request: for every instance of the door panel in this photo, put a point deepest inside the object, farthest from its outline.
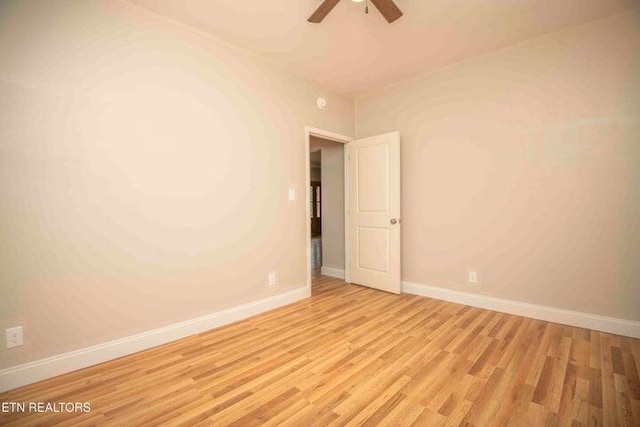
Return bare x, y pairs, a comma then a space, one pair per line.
374, 228
373, 249
373, 178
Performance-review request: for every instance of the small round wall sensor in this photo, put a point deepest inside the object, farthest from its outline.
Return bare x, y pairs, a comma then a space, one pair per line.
322, 103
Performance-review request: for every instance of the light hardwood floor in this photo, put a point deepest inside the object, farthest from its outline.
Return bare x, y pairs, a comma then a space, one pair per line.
354, 356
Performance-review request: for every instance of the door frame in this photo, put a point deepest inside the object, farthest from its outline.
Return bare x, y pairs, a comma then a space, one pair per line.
332, 136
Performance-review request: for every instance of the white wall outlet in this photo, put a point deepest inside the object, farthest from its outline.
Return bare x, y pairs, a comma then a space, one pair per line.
473, 277
14, 337
272, 279
292, 194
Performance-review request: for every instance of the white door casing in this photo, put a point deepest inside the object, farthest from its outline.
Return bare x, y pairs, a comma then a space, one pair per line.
374, 226
331, 136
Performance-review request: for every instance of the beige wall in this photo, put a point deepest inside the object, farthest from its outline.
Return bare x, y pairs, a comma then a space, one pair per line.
333, 206
316, 174
144, 173
525, 166
332, 178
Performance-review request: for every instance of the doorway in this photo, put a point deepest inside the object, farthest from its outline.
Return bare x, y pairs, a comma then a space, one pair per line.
315, 206
327, 198
371, 204
326, 204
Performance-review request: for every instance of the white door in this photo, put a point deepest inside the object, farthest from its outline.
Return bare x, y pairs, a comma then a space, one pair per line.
374, 228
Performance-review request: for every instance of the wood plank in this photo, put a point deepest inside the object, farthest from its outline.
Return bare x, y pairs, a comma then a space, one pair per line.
322, 11
388, 9
351, 355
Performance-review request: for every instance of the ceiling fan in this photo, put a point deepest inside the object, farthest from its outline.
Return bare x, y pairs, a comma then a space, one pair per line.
387, 8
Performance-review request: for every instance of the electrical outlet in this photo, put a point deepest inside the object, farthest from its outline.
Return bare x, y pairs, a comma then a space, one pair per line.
473, 277
272, 279
14, 337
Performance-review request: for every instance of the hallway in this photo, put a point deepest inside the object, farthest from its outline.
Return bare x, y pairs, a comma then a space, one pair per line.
316, 256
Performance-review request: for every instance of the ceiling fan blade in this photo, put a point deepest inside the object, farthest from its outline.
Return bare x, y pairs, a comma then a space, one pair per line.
388, 9
322, 11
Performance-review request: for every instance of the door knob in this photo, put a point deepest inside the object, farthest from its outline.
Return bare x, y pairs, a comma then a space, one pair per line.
394, 221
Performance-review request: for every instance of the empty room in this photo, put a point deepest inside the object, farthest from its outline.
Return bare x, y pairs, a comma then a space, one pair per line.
320, 212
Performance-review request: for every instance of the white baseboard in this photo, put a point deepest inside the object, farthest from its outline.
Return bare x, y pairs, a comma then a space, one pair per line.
612, 325
39, 370
332, 272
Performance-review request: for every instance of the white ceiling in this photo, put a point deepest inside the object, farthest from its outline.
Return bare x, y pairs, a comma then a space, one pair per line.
353, 53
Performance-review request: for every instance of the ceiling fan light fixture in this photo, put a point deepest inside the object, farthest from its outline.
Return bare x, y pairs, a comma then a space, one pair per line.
387, 8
